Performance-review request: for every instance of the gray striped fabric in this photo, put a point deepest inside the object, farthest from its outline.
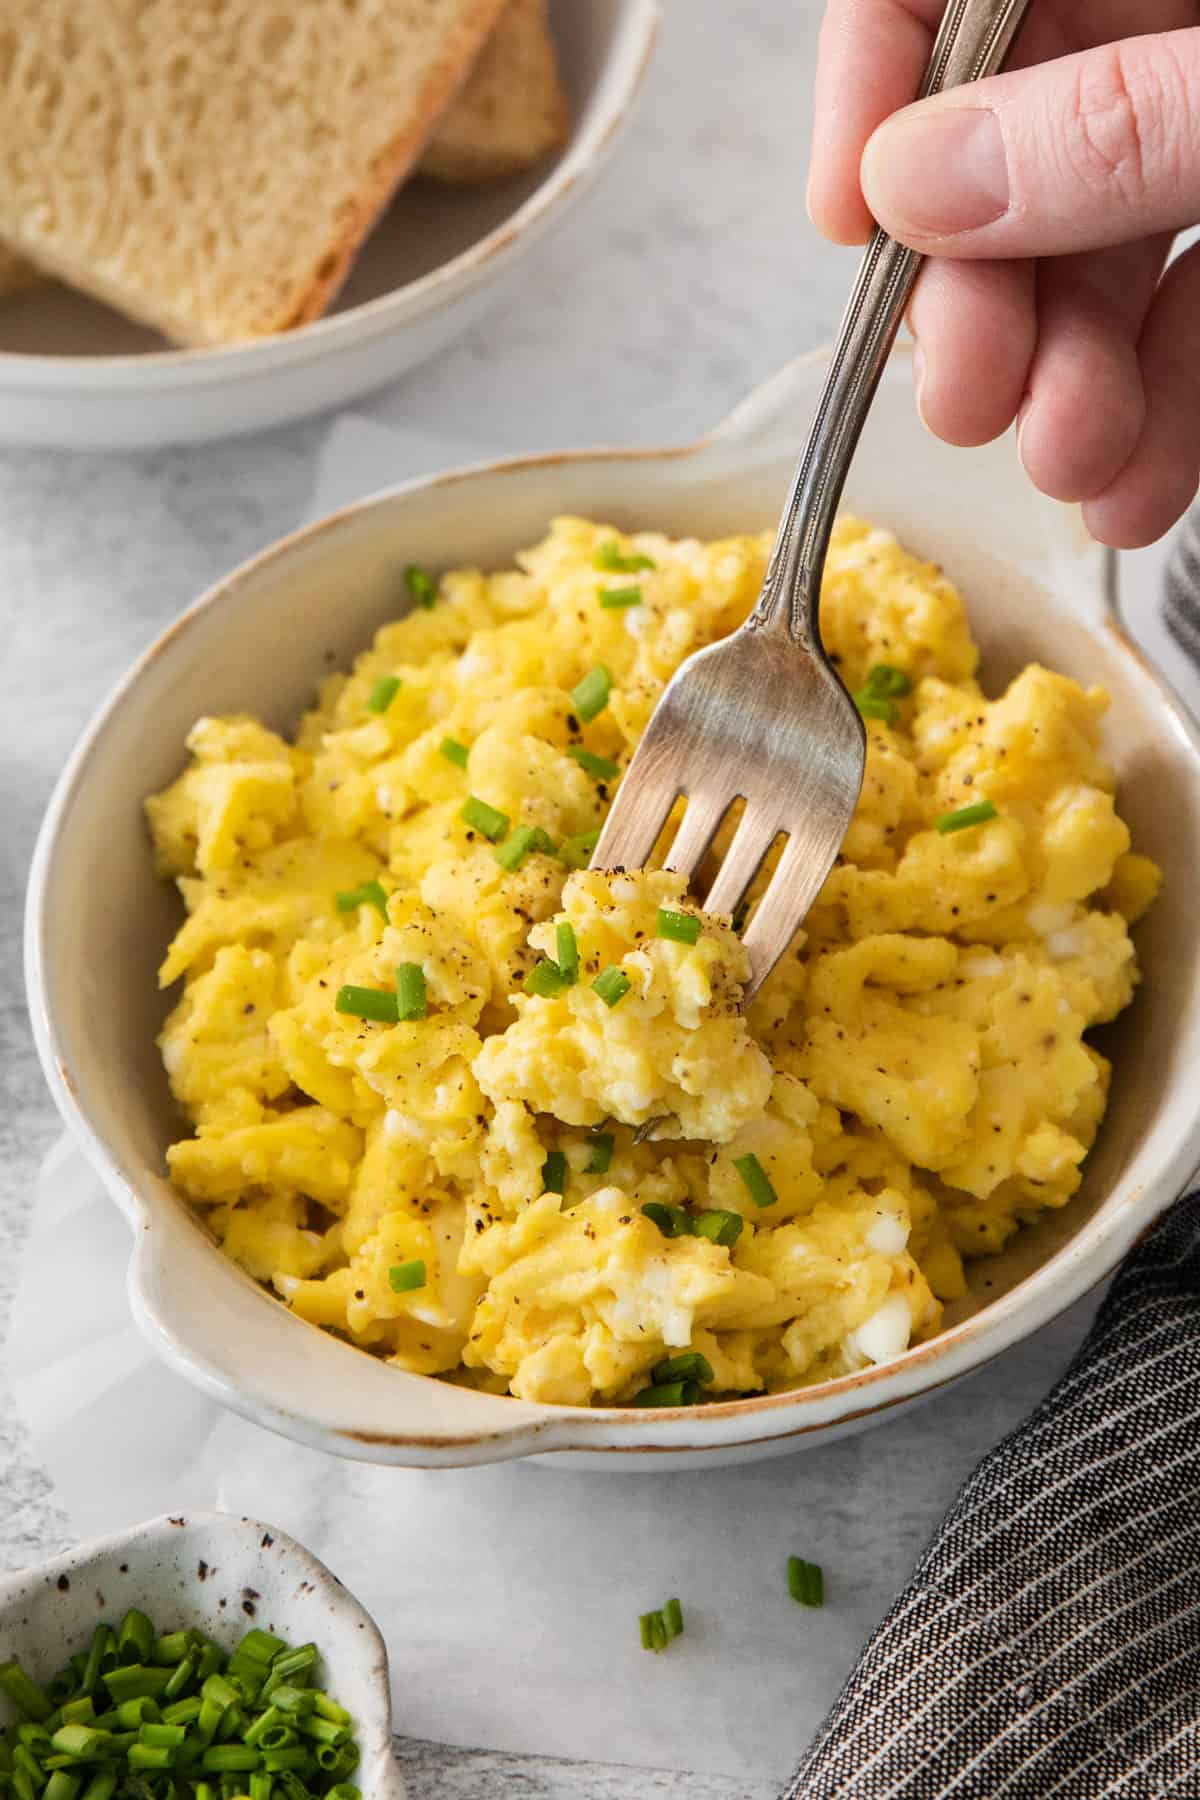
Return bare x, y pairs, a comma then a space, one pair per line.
1048, 1644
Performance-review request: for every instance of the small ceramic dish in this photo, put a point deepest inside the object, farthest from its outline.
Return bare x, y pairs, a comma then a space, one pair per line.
219, 1574
76, 375
259, 642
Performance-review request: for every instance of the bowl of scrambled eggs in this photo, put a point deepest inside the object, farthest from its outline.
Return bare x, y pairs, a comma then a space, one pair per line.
441, 1146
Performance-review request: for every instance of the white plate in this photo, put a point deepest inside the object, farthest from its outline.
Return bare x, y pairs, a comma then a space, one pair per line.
76, 375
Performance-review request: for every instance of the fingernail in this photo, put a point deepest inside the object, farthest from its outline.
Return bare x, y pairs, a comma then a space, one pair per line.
918, 369
933, 174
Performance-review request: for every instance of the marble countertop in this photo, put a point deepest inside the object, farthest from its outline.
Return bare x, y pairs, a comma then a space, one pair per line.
688, 276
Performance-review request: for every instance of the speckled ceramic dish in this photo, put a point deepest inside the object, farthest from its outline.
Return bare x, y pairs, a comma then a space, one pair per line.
76, 375
220, 1574
259, 642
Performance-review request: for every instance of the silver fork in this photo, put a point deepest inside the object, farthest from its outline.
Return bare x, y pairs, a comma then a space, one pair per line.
762, 716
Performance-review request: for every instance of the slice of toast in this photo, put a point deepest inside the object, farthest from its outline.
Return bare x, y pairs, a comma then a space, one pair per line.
212, 168
512, 110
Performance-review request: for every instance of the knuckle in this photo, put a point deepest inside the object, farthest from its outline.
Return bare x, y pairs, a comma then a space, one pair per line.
1119, 137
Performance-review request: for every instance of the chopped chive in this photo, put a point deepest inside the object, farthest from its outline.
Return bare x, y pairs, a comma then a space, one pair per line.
601, 767
369, 894
887, 682
545, 980
62, 1786
554, 1173
368, 1003
806, 1583
618, 597
454, 752
600, 1155
877, 706
576, 851
680, 927
263, 1646
719, 1226
383, 693
672, 1221
127, 1683
298, 1700
24, 1692
411, 999
79, 1740
163, 1736
519, 844
420, 584
609, 556
329, 1709
568, 951
403, 1278
612, 985
755, 1179
135, 1640
590, 696
979, 814
668, 1393
653, 1629
689, 1365
489, 821
672, 1614
102, 1655
234, 1758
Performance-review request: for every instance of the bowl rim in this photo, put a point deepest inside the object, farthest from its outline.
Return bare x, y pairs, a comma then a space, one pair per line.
1030, 1303
617, 84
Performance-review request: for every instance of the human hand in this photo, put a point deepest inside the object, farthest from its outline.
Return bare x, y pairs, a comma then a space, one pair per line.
1048, 198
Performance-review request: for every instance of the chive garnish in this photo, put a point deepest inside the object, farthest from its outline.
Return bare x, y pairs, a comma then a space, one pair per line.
612, 985
668, 1393
383, 693
979, 814
454, 752
609, 556
554, 1173
568, 951
350, 899
601, 1154
403, 1278
545, 980
680, 927
616, 598
719, 1226
672, 1221
420, 584
517, 846
689, 1365
489, 821
601, 767
590, 696
877, 706
806, 1583
367, 1003
576, 852
411, 999
887, 680
755, 1179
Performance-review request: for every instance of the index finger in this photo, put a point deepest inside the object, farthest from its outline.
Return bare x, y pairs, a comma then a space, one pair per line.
871, 59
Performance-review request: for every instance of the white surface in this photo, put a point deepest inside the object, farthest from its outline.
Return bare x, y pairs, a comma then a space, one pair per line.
76, 375
687, 276
215, 1574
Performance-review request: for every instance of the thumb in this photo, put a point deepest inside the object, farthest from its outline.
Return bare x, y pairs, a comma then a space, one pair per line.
1094, 149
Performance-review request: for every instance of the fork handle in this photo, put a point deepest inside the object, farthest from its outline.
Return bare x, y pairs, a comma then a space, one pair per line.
974, 38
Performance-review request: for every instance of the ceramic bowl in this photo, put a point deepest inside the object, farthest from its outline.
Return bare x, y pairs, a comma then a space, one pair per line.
219, 1574
259, 641
75, 375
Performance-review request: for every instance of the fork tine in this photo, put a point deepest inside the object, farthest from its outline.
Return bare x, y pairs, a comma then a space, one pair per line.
798, 878
634, 822
751, 841
697, 831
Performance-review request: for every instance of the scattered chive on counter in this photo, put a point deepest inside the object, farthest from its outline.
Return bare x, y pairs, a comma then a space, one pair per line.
383, 693
405, 1278
966, 816
659, 1627
590, 696
454, 752
755, 1179
420, 584
370, 894
139, 1716
806, 1582
609, 556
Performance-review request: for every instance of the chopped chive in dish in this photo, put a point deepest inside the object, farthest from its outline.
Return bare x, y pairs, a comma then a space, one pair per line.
411, 999
672, 1221
806, 1582
602, 767
617, 598
489, 821
520, 843
545, 980
590, 696
887, 680
719, 1226
420, 584
568, 951
669, 1393
554, 1173
600, 1154
368, 1003
609, 556
454, 752
877, 706
680, 927
403, 1278
755, 1179
370, 894
979, 814
576, 851
383, 693
689, 1365
612, 985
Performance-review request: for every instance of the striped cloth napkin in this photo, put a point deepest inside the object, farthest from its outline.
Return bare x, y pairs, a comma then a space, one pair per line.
1047, 1646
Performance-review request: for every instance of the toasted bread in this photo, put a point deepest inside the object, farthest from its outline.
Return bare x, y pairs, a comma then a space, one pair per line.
15, 273
512, 110
211, 169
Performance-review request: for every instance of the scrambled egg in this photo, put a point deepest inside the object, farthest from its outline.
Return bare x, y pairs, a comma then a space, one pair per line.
572, 1155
